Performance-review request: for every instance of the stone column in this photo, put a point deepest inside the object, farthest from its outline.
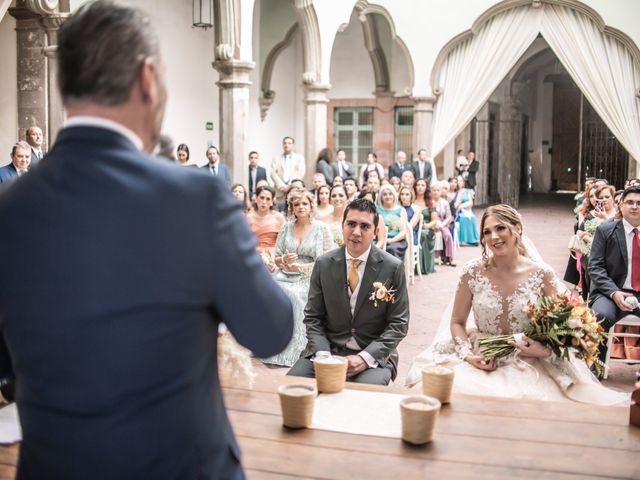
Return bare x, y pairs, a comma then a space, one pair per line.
423, 126
52, 24
315, 125
234, 115
32, 72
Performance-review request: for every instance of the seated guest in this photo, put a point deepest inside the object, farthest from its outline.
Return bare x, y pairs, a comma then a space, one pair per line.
352, 325
338, 198
265, 221
182, 154
408, 178
351, 187
20, 161
323, 206
395, 219
614, 262
395, 181
444, 220
429, 227
373, 183
240, 193
413, 211
463, 200
318, 181
337, 181
300, 242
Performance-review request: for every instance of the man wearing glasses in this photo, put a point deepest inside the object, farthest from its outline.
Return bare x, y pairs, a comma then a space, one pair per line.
614, 263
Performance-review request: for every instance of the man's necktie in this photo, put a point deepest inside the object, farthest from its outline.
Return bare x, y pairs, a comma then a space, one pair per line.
353, 276
635, 261
215, 171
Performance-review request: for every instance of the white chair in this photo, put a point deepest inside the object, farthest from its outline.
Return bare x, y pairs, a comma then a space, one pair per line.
417, 250
439, 246
626, 321
408, 256
456, 235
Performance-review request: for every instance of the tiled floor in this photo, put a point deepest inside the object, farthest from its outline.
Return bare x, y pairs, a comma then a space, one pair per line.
548, 222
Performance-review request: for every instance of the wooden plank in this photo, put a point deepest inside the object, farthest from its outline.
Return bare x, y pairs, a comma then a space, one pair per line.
7, 472
303, 461
504, 427
9, 454
460, 449
535, 409
262, 475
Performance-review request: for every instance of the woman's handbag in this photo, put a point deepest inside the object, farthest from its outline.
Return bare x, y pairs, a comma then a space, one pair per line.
577, 245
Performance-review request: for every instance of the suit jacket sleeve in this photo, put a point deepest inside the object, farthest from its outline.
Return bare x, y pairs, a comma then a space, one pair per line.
265, 323
273, 172
315, 315
397, 321
473, 167
600, 279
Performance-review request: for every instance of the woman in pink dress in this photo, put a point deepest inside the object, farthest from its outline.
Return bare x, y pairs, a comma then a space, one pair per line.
265, 222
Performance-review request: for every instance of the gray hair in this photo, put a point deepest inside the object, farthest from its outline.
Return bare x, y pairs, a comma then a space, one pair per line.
101, 48
22, 145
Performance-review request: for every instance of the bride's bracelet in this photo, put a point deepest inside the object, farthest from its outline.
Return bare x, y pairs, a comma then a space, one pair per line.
463, 348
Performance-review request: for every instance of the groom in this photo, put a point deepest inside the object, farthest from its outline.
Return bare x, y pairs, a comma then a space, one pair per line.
340, 316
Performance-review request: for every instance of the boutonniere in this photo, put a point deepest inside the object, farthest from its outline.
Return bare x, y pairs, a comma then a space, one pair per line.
382, 294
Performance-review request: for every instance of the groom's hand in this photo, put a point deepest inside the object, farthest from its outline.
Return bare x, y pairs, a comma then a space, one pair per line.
356, 364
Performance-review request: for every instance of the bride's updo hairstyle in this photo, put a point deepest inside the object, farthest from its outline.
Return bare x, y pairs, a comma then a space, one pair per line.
510, 217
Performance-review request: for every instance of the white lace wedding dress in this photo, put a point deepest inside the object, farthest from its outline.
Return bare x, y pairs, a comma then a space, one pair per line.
496, 311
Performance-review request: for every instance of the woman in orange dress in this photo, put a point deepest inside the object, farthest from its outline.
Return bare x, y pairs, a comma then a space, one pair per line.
265, 222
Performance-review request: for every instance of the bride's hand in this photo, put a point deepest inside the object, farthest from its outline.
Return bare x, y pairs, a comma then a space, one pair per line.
480, 363
531, 348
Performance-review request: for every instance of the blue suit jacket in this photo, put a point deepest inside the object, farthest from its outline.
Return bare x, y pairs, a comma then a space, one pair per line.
135, 261
261, 174
223, 172
8, 173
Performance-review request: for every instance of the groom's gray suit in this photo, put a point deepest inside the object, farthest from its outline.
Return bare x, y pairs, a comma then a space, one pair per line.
377, 330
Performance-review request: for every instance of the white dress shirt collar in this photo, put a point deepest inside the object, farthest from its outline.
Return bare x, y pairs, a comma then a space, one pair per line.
99, 122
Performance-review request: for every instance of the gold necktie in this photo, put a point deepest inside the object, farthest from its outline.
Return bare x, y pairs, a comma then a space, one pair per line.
352, 276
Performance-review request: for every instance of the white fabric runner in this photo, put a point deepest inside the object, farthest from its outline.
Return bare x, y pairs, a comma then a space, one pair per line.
359, 412
10, 431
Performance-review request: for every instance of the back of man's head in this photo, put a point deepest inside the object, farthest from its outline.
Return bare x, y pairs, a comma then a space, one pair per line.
101, 48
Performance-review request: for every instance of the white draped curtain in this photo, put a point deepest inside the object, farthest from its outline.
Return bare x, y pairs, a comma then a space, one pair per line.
601, 66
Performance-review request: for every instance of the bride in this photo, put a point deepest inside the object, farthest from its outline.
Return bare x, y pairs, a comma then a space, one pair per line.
496, 288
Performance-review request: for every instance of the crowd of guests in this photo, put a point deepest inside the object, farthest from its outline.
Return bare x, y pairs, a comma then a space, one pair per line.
604, 252
295, 223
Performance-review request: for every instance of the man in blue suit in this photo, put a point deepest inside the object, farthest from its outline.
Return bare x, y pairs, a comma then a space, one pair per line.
20, 162
215, 167
135, 263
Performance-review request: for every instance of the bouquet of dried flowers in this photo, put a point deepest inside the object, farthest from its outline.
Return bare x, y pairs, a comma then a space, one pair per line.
562, 323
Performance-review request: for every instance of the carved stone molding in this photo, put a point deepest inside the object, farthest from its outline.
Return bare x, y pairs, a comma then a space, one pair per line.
316, 93
424, 104
42, 7
311, 48
376, 53
233, 73
227, 29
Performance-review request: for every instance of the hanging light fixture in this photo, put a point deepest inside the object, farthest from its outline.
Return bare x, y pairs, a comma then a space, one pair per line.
203, 13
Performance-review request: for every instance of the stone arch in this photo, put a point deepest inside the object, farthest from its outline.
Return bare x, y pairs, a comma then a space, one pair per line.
511, 4
311, 46
267, 95
368, 15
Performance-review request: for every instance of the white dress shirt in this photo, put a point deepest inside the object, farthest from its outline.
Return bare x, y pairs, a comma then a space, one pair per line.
628, 235
352, 343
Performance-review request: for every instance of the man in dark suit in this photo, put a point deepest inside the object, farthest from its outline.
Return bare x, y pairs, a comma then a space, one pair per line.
35, 139
256, 173
135, 263
340, 316
614, 262
472, 169
342, 168
216, 167
422, 167
20, 162
399, 166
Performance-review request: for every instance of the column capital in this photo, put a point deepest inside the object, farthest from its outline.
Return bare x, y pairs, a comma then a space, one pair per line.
233, 73
42, 7
22, 14
424, 104
316, 93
